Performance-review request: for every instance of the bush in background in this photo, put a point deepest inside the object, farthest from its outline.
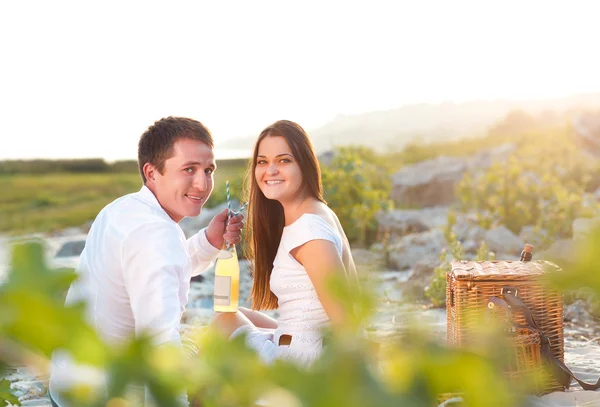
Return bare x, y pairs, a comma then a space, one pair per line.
542, 184
357, 186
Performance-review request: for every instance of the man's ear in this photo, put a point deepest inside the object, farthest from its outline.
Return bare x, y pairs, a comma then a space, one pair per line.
149, 172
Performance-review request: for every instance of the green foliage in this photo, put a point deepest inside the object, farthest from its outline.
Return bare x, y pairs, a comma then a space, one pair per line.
436, 291
85, 165
483, 253
583, 271
236, 186
54, 201
6, 394
34, 315
356, 188
542, 185
409, 371
579, 278
39, 203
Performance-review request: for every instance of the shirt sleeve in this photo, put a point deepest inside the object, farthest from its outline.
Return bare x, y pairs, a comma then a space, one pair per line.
155, 260
310, 227
202, 253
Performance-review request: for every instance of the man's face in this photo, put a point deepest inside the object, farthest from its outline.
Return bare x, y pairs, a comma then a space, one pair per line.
186, 181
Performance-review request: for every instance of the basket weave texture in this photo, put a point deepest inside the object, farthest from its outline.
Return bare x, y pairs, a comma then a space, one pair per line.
470, 285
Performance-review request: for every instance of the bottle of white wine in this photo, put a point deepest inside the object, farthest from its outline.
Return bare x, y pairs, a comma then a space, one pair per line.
227, 281
527, 253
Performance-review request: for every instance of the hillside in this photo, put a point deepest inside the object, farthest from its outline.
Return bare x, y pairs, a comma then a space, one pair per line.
392, 129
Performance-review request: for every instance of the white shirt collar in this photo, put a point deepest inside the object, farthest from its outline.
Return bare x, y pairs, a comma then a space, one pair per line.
148, 196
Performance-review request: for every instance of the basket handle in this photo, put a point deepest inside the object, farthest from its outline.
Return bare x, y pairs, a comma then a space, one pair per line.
562, 373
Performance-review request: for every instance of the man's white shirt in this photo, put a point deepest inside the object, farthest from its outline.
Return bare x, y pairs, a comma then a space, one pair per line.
134, 275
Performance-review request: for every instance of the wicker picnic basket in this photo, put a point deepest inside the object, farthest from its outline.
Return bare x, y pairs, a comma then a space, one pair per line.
477, 290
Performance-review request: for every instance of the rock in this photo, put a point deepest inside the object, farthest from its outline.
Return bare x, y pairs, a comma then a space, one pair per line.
533, 235
467, 229
470, 247
417, 248
578, 312
428, 183
503, 242
468, 232
432, 182
485, 158
477, 234
400, 222
414, 288
326, 158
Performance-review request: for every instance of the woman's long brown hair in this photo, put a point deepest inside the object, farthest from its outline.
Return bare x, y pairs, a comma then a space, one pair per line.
266, 217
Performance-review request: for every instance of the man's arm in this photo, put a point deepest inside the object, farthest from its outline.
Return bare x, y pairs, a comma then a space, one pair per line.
201, 252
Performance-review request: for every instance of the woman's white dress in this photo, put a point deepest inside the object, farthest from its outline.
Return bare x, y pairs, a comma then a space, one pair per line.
301, 314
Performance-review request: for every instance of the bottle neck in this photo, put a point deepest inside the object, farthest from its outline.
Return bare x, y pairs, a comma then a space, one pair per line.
231, 248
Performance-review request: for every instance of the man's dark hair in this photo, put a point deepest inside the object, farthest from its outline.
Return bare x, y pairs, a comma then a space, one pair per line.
156, 144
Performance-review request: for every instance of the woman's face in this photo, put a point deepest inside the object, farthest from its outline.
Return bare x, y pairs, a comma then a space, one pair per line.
277, 172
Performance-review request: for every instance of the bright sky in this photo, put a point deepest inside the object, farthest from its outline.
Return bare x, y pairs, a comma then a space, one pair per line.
85, 79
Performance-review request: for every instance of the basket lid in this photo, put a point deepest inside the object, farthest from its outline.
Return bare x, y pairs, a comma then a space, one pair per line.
485, 270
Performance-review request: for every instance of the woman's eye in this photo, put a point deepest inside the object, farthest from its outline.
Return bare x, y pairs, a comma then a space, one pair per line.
285, 160
261, 162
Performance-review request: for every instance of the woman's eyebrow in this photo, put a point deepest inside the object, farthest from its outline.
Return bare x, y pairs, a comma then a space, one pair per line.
278, 155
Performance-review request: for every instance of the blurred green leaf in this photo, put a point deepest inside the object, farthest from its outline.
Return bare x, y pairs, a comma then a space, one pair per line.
6, 395
37, 317
583, 271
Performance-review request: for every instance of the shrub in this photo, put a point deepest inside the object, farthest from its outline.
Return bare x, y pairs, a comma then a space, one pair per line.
410, 371
542, 185
436, 291
356, 188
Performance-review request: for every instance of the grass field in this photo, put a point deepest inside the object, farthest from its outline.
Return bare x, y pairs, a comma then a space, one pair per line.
43, 203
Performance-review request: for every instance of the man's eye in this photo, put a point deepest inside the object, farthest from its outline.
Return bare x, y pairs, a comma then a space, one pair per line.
209, 171
189, 170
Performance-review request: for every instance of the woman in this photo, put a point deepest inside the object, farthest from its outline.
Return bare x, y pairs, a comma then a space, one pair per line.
296, 243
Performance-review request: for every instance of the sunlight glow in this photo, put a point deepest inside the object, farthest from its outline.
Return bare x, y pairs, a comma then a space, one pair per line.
85, 79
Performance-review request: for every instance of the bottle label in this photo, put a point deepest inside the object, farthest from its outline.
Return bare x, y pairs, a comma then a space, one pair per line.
222, 294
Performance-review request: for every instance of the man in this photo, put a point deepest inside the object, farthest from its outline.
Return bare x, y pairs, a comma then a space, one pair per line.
135, 270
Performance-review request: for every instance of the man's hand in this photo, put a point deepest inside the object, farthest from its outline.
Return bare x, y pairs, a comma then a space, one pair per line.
216, 233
